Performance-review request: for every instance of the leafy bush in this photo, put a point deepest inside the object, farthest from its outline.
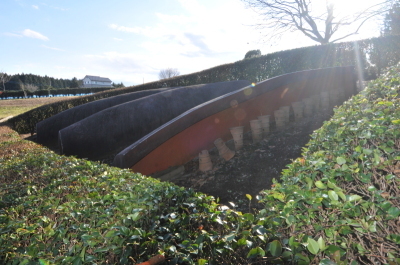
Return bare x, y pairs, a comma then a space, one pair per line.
62, 210
337, 204
373, 55
340, 202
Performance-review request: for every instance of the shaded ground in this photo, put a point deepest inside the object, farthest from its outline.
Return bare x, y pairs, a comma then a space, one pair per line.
253, 168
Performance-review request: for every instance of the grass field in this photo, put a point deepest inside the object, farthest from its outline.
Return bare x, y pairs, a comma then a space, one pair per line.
13, 107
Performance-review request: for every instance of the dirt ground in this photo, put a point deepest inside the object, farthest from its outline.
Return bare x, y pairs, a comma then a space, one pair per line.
252, 168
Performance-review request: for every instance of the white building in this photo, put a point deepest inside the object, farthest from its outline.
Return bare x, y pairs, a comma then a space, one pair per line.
95, 81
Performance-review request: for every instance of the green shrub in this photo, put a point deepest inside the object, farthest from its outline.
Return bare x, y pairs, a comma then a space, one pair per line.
340, 202
63, 210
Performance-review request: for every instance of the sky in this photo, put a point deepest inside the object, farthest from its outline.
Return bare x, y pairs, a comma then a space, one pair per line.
130, 41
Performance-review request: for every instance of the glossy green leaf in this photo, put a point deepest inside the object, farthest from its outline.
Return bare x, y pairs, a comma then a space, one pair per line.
367, 151
230, 237
321, 243
312, 246
254, 252
248, 217
354, 198
333, 195
275, 248
341, 195
290, 219
242, 242
292, 241
320, 185
134, 217
309, 182
44, 262
394, 212
335, 252
172, 249
341, 160
202, 261
396, 122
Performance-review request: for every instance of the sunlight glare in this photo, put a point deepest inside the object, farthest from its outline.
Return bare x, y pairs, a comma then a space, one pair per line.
346, 7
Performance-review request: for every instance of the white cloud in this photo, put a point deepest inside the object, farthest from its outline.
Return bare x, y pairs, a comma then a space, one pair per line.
117, 39
52, 48
200, 38
193, 6
128, 67
35, 7
125, 29
33, 34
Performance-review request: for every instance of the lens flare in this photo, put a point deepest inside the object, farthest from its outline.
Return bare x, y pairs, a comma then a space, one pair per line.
240, 114
284, 92
248, 91
234, 103
359, 65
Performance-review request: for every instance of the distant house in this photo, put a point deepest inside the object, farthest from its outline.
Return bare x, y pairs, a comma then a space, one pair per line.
95, 81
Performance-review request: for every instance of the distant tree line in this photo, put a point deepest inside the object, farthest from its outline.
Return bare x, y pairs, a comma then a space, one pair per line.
18, 81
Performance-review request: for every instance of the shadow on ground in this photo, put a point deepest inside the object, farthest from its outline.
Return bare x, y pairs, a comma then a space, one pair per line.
252, 168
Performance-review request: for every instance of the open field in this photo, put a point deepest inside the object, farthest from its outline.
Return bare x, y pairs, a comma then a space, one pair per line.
13, 107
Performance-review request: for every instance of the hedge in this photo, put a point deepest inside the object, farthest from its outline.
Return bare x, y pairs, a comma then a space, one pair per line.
337, 204
62, 210
340, 202
374, 55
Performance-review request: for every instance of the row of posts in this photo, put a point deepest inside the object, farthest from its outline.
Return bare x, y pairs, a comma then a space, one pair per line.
260, 127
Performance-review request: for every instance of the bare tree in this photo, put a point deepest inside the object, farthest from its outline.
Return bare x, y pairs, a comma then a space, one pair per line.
280, 16
168, 73
4, 78
31, 88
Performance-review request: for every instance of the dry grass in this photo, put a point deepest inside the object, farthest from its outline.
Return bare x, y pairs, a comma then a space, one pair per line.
13, 107
9, 140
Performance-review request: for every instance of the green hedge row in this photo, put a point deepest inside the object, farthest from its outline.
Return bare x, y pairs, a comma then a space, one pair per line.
62, 210
338, 204
52, 92
341, 201
371, 55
